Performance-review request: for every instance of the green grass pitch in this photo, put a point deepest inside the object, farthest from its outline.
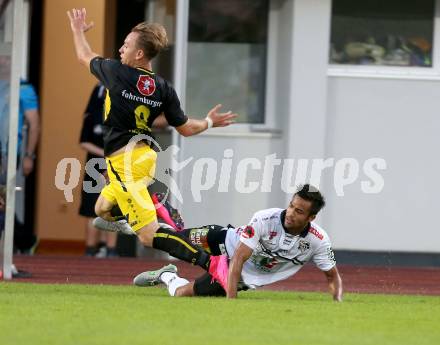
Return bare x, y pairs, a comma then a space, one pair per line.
124, 315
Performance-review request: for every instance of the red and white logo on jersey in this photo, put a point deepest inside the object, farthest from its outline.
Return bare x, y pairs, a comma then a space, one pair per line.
248, 232
316, 233
146, 85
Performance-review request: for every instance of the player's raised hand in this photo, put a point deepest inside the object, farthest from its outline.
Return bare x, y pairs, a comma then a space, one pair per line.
221, 119
78, 20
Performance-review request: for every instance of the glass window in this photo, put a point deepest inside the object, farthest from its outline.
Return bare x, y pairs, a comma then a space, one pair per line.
377, 32
157, 11
227, 57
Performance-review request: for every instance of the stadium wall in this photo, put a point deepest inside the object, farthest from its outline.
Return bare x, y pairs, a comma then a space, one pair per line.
397, 120
64, 92
322, 115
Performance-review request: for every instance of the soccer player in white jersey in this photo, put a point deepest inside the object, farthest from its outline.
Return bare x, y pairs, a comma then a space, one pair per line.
274, 246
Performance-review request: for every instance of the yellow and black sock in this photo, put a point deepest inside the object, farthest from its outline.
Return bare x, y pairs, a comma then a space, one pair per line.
180, 247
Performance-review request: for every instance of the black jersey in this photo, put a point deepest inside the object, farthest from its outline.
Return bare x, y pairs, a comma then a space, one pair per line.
135, 97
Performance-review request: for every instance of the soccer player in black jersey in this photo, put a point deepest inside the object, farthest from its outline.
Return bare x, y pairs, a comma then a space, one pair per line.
135, 97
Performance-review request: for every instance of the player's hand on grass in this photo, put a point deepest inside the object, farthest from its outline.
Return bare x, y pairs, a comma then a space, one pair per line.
221, 119
78, 20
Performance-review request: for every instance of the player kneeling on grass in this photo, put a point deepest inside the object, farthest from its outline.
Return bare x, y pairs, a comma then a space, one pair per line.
275, 245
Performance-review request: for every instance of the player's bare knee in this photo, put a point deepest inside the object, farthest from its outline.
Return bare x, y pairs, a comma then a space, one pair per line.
98, 210
103, 208
146, 234
101, 212
145, 238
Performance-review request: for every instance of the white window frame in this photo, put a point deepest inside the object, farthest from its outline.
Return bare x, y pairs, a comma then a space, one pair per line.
269, 127
393, 72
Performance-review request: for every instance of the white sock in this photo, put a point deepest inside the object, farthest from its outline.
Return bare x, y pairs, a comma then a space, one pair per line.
165, 277
173, 282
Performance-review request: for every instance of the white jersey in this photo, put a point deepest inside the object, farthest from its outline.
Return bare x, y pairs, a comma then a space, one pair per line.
278, 255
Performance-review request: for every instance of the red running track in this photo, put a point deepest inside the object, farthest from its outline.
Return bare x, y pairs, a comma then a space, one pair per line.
120, 271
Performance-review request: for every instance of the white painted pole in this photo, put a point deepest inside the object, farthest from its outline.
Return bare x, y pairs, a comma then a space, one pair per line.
17, 48
179, 78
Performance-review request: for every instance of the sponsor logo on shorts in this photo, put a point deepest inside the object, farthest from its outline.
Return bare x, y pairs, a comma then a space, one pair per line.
199, 236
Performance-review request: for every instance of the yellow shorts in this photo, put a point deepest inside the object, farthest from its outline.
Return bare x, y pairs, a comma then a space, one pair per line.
129, 174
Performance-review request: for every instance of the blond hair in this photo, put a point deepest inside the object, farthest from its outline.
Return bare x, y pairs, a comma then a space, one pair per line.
152, 38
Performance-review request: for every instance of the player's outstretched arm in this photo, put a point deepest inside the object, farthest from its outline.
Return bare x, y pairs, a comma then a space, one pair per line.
334, 283
79, 26
213, 119
241, 254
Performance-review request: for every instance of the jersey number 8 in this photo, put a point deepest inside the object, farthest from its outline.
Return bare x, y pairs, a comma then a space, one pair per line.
142, 114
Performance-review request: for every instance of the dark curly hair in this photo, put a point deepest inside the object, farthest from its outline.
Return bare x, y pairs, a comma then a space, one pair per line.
312, 194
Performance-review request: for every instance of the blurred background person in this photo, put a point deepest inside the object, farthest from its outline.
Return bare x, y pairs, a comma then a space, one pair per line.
27, 107
25, 240
98, 243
